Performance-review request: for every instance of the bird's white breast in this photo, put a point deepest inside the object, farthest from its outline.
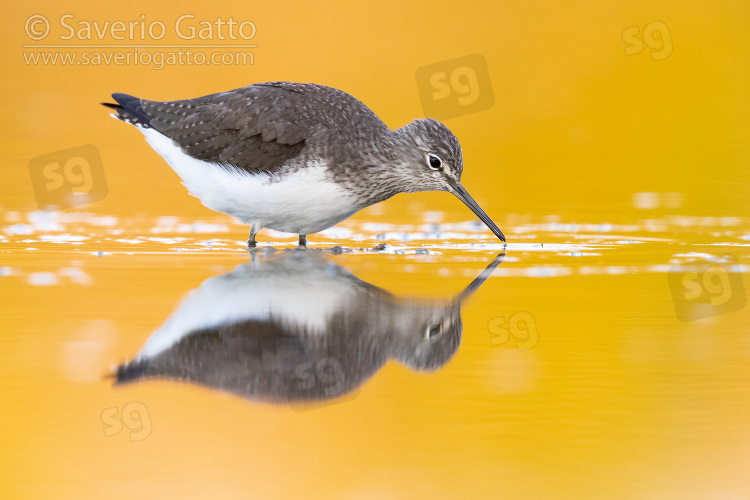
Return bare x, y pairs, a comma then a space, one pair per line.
302, 202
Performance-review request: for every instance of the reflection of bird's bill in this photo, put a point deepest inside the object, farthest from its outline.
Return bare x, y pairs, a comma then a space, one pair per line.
464, 196
479, 280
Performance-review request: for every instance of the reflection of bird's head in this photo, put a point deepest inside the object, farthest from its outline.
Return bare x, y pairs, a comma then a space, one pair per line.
430, 336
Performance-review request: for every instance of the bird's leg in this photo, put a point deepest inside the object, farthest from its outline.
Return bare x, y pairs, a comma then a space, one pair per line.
251, 240
303, 240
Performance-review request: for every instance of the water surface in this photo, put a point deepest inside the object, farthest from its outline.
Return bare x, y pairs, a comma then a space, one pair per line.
158, 357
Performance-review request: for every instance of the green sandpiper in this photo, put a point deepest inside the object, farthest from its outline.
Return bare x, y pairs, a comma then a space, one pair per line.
295, 157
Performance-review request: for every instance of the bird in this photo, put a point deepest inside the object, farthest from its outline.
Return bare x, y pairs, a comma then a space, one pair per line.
295, 157
294, 327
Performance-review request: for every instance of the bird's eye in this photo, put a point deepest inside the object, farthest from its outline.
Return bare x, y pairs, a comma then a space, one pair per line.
434, 330
434, 162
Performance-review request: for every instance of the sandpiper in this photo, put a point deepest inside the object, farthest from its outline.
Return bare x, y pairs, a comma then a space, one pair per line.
297, 327
295, 157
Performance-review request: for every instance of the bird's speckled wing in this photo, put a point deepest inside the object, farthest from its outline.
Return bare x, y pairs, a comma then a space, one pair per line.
256, 128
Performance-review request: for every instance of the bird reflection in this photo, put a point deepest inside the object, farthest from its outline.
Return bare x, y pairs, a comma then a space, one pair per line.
295, 328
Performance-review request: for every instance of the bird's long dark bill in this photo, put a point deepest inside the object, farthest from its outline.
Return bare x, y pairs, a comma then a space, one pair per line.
464, 196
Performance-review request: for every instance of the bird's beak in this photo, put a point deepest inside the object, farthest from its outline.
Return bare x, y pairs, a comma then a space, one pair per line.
464, 196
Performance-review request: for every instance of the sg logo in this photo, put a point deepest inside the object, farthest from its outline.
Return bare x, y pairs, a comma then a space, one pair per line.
134, 416
655, 36
520, 326
709, 291
456, 87
326, 380
68, 178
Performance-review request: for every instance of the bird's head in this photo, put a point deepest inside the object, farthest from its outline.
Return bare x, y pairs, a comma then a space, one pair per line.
432, 160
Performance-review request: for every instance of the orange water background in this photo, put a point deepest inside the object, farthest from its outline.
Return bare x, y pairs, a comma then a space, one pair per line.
618, 400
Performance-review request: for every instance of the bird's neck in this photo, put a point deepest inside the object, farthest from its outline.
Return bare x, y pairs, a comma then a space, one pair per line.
370, 167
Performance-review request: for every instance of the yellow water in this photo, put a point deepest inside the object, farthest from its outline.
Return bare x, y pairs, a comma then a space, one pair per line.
605, 357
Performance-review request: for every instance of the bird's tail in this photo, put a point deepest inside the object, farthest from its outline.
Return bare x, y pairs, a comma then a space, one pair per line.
129, 110
133, 370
